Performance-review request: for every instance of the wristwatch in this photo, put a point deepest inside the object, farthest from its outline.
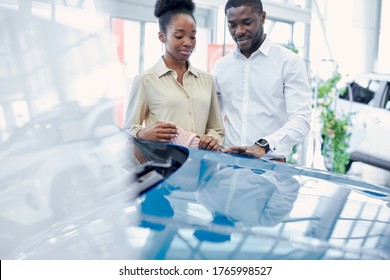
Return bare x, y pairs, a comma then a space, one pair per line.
263, 143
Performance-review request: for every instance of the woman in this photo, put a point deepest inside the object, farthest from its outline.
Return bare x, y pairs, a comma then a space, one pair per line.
174, 95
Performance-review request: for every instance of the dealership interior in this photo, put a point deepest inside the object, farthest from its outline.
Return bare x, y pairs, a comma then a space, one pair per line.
322, 32
66, 70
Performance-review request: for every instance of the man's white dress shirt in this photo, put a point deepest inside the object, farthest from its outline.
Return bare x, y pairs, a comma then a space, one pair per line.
264, 96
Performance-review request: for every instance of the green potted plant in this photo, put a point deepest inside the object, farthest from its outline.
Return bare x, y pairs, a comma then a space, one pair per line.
335, 129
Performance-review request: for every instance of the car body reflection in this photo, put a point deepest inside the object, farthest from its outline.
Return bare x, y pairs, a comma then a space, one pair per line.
220, 206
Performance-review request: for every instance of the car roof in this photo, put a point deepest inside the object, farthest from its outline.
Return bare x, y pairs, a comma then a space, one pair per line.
374, 76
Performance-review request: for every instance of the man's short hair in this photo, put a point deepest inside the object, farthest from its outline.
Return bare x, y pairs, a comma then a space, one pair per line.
255, 4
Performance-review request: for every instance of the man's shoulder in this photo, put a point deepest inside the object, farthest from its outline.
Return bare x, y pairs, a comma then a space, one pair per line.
224, 61
283, 51
227, 58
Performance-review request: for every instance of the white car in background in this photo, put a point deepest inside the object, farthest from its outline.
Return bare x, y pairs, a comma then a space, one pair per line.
368, 103
60, 162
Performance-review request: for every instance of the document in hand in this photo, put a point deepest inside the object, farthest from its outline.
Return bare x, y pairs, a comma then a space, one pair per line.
185, 138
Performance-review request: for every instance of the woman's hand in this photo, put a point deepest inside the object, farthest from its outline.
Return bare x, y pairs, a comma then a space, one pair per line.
208, 142
159, 132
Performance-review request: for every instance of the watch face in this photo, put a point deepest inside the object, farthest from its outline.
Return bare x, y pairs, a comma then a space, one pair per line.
263, 142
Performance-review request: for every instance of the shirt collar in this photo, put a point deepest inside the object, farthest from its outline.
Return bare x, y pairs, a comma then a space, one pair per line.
264, 48
162, 69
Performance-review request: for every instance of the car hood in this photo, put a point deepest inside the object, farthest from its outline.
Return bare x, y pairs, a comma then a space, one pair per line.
220, 206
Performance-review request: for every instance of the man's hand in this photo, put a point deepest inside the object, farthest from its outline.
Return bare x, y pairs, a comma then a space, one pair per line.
250, 151
160, 132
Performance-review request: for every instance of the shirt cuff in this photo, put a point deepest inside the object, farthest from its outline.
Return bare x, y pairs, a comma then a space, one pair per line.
135, 129
276, 148
273, 145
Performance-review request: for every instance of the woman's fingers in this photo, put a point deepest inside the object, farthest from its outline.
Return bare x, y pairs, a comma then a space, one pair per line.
208, 142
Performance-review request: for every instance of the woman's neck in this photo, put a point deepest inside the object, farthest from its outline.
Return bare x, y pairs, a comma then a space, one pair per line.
178, 66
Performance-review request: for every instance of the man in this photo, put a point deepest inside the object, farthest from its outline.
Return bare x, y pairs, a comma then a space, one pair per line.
264, 89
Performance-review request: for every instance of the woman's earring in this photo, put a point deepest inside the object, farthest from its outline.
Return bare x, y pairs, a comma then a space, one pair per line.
162, 44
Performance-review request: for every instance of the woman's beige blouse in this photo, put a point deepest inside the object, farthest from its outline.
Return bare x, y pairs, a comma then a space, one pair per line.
156, 95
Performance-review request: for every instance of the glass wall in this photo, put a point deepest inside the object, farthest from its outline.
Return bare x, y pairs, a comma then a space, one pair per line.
334, 33
384, 40
39, 72
134, 31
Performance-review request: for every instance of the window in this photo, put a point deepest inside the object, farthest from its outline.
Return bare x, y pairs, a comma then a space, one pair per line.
153, 47
131, 47
361, 94
363, 89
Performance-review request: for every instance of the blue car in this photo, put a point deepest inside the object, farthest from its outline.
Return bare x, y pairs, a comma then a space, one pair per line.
199, 205
74, 186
